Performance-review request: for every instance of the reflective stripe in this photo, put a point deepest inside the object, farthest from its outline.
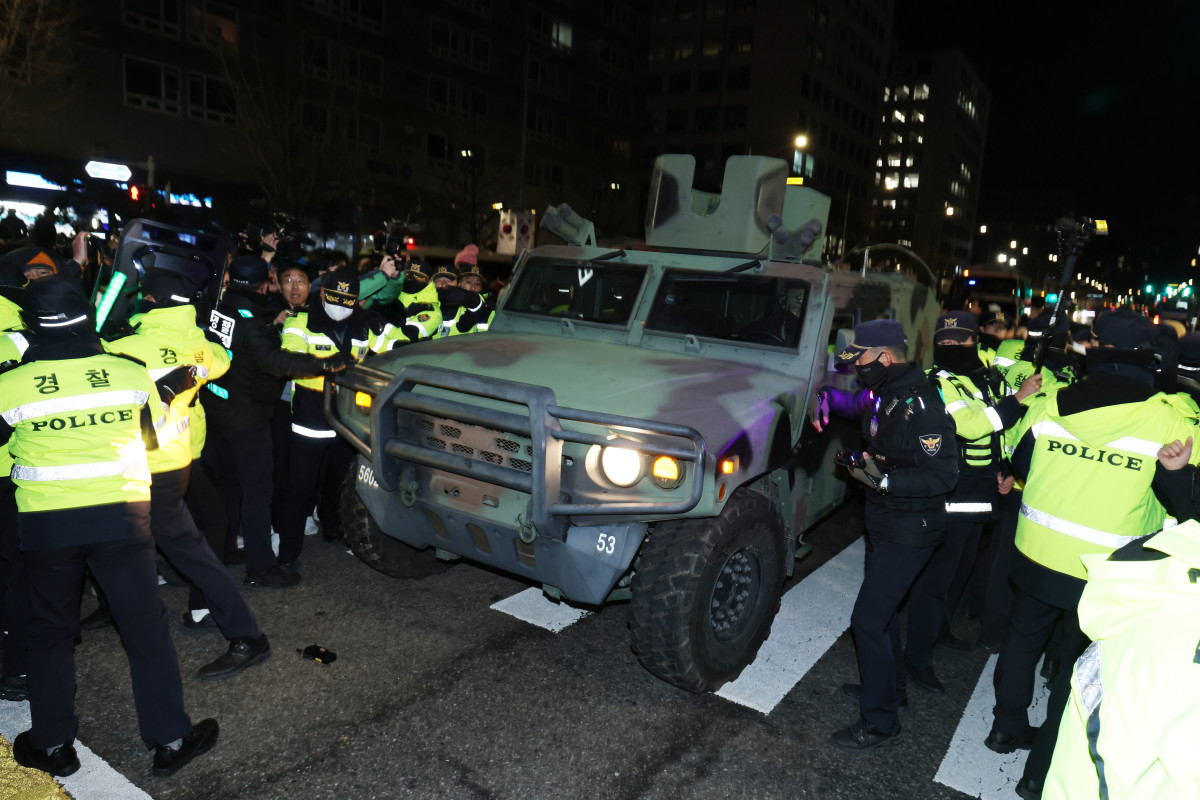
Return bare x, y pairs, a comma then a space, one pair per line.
968, 508
218, 391
1051, 428
955, 406
1003, 361
310, 338
1074, 529
201, 370
1139, 446
359, 343
312, 433
161, 372
994, 416
19, 340
1090, 678
483, 326
62, 324
172, 431
107, 469
80, 402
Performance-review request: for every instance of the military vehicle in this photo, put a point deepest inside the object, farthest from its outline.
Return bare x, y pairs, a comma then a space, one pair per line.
634, 425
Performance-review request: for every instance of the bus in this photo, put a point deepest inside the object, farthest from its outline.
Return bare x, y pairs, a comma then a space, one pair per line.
978, 287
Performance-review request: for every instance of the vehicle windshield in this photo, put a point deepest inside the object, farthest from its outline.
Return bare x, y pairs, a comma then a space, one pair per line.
741, 308
588, 291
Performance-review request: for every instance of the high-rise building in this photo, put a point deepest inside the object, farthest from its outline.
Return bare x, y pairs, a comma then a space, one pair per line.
933, 128
350, 111
749, 77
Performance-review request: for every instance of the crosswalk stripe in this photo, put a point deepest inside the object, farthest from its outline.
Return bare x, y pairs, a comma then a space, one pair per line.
535, 608
95, 780
970, 767
811, 618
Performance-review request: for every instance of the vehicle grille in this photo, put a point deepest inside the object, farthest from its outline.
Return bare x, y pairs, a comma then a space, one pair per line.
477, 442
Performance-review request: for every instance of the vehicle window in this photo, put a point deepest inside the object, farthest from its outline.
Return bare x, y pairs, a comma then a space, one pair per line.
742, 308
578, 290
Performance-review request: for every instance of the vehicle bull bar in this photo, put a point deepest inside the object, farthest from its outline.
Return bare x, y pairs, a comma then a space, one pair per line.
394, 441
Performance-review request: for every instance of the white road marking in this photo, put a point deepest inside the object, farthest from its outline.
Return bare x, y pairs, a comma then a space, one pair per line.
534, 607
812, 615
95, 780
970, 767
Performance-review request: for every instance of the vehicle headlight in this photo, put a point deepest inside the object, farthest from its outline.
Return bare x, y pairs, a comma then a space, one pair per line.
622, 466
667, 472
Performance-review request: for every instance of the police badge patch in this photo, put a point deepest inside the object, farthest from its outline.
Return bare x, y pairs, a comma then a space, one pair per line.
931, 443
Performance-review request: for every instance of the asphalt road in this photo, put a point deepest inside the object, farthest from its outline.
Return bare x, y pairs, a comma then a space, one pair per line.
434, 694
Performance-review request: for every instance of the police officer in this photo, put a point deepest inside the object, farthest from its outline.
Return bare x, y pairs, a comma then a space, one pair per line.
14, 593
909, 468
1088, 454
1129, 728
417, 314
181, 360
334, 326
238, 408
979, 418
78, 422
473, 317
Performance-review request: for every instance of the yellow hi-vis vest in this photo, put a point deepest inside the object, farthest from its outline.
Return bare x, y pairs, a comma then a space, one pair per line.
12, 348
77, 436
1089, 483
298, 338
1129, 730
168, 339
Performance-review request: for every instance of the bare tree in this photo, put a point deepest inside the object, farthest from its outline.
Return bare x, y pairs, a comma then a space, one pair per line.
36, 38
287, 134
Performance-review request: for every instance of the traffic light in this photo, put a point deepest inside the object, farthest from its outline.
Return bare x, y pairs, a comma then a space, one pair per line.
1149, 288
135, 193
1052, 297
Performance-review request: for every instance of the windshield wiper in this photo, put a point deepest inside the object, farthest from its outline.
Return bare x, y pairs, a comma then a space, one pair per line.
607, 256
743, 267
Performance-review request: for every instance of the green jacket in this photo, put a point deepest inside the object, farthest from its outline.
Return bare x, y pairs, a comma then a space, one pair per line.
1129, 730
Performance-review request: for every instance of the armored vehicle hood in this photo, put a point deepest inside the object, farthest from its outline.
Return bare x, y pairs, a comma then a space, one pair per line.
717, 398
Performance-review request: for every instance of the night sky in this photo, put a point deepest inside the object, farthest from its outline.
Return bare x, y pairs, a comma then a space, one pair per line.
1099, 98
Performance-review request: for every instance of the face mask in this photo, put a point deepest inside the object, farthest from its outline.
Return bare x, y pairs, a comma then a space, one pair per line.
873, 375
337, 313
956, 358
414, 285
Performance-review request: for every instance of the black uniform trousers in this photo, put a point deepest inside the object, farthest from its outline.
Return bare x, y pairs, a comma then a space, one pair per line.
1033, 620
998, 600
240, 464
890, 571
318, 464
281, 445
929, 606
212, 585
204, 503
127, 572
14, 586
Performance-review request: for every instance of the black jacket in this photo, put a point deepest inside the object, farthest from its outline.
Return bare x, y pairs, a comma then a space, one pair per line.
911, 438
246, 394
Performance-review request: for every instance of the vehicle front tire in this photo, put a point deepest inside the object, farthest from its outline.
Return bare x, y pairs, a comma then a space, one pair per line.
374, 547
706, 592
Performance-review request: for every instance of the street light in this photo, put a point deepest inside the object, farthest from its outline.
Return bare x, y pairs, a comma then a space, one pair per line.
800, 155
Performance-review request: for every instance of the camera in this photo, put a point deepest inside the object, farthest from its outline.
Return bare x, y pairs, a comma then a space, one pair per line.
290, 231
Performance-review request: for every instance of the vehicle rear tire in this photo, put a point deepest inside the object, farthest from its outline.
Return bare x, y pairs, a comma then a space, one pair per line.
706, 592
374, 547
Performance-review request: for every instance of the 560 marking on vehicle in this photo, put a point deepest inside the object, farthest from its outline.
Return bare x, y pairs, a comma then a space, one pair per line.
367, 475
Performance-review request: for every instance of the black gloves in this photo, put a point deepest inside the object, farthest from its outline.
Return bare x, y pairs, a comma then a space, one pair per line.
175, 382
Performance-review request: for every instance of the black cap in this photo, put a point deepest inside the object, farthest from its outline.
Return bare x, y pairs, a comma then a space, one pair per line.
874, 333
56, 307
446, 271
957, 325
994, 314
1125, 330
340, 287
168, 288
250, 270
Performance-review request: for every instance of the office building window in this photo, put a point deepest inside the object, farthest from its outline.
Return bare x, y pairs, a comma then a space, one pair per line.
911, 180
211, 22
897, 115
210, 99
741, 41
159, 16
151, 86
738, 78
735, 118
364, 72
683, 48
316, 58
921, 91
561, 34
437, 148
711, 47
366, 14
330, 8
677, 119
451, 42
